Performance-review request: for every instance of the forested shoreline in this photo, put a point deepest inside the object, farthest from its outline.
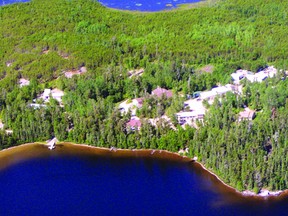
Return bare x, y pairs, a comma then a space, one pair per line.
41, 40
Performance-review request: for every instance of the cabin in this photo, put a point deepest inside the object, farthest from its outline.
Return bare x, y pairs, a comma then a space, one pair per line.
9, 132
132, 106
160, 92
247, 114
70, 74
138, 72
46, 95
133, 124
57, 94
23, 82
54, 93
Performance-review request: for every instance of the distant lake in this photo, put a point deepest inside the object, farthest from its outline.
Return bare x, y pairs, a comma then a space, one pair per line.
80, 181
6, 2
145, 5
139, 5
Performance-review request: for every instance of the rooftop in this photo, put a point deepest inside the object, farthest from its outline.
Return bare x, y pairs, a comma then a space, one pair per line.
247, 114
238, 75
134, 123
161, 91
23, 82
70, 74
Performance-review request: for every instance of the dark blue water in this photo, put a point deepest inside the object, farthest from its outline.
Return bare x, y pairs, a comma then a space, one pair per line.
145, 5
78, 185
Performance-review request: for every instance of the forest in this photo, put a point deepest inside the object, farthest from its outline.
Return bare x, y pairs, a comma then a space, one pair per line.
41, 40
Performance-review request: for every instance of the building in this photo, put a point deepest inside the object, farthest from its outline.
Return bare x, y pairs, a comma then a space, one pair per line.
257, 77
270, 71
138, 72
133, 124
36, 106
247, 114
55, 93
70, 74
194, 111
133, 105
46, 95
137, 102
208, 95
9, 132
189, 117
240, 74
194, 104
160, 92
163, 121
23, 82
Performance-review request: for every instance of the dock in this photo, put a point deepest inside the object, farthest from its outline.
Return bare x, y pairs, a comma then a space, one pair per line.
52, 143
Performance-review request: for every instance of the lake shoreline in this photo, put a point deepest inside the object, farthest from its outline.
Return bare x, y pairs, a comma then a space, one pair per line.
264, 193
160, 154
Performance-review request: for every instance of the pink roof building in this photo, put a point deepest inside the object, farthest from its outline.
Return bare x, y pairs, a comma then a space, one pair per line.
134, 124
159, 92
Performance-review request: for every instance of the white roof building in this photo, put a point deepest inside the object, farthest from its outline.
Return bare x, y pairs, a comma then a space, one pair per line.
23, 82
257, 77
46, 95
194, 104
196, 112
220, 90
270, 71
208, 95
55, 93
133, 105
35, 105
190, 116
238, 75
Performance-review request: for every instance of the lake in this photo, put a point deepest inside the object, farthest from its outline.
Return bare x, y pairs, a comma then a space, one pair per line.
139, 5
78, 180
6, 2
145, 5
